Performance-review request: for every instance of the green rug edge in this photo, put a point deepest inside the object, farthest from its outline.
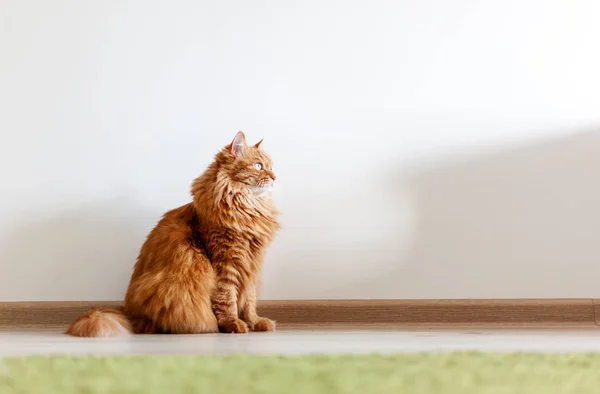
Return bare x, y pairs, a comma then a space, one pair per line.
421, 373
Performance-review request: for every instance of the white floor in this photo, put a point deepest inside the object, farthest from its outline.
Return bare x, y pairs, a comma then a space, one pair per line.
292, 342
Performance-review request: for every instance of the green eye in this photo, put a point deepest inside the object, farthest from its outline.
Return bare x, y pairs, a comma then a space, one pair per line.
258, 166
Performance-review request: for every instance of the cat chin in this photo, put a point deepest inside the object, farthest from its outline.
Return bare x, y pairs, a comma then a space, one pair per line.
261, 191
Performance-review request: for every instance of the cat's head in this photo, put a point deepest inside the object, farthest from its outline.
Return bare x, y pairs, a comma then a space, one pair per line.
247, 166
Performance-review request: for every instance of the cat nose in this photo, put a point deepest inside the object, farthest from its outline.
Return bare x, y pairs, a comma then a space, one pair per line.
273, 177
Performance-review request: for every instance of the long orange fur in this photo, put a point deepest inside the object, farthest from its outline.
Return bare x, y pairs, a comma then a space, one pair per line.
199, 268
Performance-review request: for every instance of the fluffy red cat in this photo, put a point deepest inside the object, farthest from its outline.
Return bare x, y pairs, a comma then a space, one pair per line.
199, 268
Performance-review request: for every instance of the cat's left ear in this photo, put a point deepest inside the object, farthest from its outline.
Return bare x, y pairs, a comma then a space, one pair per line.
238, 145
258, 144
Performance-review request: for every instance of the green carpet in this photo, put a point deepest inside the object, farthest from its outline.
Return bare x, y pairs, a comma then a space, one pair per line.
465, 373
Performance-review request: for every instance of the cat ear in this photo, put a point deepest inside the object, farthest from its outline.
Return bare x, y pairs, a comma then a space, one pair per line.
238, 145
258, 144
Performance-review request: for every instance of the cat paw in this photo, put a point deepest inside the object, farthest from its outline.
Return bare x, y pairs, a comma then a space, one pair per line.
233, 326
263, 324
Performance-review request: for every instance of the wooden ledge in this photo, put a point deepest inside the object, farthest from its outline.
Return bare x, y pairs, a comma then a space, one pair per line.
349, 313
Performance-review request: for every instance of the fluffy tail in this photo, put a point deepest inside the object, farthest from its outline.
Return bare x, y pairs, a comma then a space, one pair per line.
101, 322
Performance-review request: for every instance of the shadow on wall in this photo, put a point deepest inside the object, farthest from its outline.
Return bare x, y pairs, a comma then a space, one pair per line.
78, 255
522, 223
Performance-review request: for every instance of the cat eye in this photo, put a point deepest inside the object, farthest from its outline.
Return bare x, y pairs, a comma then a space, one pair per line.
258, 166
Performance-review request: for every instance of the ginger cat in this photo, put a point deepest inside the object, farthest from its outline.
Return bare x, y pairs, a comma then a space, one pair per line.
199, 268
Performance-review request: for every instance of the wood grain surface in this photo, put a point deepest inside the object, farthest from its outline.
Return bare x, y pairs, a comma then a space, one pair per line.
348, 313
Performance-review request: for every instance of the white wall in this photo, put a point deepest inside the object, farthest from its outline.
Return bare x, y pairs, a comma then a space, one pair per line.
423, 148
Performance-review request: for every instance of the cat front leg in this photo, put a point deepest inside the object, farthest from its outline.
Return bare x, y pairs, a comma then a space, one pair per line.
224, 303
248, 309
